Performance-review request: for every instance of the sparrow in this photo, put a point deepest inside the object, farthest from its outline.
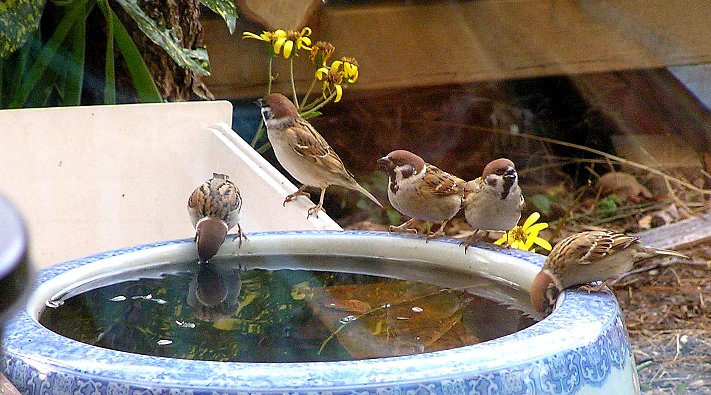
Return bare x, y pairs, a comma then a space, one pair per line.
494, 200
585, 257
303, 152
421, 191
214, 208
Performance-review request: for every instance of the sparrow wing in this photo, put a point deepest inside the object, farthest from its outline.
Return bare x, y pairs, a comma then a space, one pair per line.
307, 142
195, 203
593, 246
441, 183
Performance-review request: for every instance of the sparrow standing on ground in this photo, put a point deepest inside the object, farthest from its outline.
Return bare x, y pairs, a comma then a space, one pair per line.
214, 208
494, 200
585, 257
421, 191
303, 152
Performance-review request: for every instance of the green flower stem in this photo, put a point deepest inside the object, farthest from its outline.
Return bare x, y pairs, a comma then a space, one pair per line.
271, 77
308, 92
293, 85
258, 136
320, 105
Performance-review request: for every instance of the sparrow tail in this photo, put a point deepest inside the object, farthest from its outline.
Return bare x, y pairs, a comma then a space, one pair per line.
365, 192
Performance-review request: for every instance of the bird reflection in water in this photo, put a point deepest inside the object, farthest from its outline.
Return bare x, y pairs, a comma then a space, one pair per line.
213, 293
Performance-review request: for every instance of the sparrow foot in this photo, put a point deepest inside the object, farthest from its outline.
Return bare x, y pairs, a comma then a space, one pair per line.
314, 211
294, 195
471, 240
404, 228
241, 236
600, 287
438, 233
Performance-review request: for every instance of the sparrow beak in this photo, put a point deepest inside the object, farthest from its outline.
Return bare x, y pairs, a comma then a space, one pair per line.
210, 234
510, 172
260, 103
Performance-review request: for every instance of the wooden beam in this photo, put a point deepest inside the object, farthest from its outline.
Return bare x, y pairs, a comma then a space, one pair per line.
421, 43
683, 234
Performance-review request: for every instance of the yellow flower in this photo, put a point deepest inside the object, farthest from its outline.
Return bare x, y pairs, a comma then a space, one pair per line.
350, 69
270, 37
321, 52
290, 39
332, 78
525, 236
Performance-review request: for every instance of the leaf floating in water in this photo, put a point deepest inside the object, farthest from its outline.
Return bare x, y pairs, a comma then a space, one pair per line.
182, 324
164, 342
417, 309
347, 319
119, 298
160, 301
349, 305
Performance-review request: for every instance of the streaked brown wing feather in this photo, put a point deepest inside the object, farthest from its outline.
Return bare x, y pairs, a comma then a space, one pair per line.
307, 142
443, 183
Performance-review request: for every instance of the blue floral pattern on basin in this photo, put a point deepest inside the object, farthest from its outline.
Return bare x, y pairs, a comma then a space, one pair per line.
581, 348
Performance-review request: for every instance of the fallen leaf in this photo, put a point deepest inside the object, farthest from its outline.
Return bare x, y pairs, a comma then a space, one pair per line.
624, 185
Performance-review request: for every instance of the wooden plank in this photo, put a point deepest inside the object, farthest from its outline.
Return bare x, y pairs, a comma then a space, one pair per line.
6, 386
682, 234
438, 43
660, 123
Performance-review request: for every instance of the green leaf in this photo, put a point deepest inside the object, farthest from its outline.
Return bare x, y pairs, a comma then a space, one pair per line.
194, 59
224, 8
110, 63
542, 203
73, 77
143, 81
18, 20
46, 55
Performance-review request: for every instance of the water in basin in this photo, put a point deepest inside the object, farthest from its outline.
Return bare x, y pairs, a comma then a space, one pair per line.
287, 308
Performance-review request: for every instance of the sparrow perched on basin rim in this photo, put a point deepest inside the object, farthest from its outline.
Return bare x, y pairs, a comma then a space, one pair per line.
421, 190
585, 257
214, 209
494, 200
303, 152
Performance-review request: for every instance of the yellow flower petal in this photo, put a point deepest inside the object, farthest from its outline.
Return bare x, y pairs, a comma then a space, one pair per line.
336, 65
280, 33
543, 243
321, 72
278, 44
306, 31
535, 216
537, 227
304, 42
288, 46
339, 93
252, 35
501, 240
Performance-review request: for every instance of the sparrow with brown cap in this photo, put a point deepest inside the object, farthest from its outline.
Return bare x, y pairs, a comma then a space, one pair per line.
493, 202
214, 209
585, 257
421, 191
303, 152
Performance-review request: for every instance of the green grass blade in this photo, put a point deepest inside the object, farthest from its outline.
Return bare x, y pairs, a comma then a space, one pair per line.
224, 8
45, 56
110, 62
194, 59
73, 78
146, 89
